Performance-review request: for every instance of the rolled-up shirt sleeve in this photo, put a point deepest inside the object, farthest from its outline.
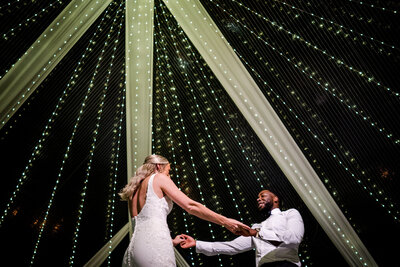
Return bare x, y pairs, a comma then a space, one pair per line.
238, 245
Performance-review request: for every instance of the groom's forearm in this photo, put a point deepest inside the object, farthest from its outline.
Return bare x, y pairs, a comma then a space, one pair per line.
238, 245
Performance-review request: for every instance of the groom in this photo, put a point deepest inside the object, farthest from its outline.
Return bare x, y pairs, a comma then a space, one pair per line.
276, 239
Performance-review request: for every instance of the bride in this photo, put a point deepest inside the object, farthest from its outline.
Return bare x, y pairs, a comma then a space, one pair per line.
150, 194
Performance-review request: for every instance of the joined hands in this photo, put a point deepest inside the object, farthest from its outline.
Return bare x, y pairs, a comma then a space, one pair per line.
236, 227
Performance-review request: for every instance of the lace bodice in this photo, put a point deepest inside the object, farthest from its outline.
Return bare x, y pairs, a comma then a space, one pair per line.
154, 206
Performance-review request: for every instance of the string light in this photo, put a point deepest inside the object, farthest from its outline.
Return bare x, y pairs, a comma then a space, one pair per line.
186, 139
199, 112
175, 131
314, 116
331, 22
320, 204
96, 130
42, 71
227, 120
66, 155
46, 132
9, 4
325, 85
275, 142
114, 169
11, 32
116, 141
175, 99
337, 60
374, 6
174, 146
377, 198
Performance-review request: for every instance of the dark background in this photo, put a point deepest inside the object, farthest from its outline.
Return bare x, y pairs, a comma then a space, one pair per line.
330, 69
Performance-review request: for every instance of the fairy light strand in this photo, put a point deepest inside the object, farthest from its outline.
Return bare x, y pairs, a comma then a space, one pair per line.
173, 145
116, 143
174, 96
114, 171
331, 22
46, 132
374, 6
279, 147
94, 136
193, 164
314, 116
170, 130
49, 63
306, 186
324, 85
199, 112
11, 32
9, 4
187, 142
377, 198
66, 155
338, 61
227, 120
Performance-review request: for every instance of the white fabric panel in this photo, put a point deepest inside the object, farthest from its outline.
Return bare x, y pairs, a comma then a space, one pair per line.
239, 84
139, 82
180, 261
106, 250
139, 86
45, 53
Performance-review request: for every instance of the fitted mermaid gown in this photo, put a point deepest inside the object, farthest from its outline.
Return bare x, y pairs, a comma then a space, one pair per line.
151, 243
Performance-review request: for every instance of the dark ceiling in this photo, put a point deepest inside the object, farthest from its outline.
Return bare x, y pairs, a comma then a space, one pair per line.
330, 69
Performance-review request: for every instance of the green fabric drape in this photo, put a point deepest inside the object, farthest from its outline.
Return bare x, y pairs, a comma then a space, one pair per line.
243, 90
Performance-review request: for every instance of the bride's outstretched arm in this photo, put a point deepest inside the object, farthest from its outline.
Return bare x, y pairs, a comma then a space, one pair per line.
197, 209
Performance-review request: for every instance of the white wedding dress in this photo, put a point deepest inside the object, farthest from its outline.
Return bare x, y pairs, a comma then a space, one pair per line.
151, 243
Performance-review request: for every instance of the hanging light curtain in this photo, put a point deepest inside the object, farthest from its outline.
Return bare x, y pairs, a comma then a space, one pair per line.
45, 53
139, 87
238, 83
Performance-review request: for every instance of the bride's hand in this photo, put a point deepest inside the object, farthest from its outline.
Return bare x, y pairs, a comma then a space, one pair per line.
177, 240
236, 227
189, 241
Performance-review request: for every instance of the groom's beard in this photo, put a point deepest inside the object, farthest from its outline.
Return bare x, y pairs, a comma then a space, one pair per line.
265, 212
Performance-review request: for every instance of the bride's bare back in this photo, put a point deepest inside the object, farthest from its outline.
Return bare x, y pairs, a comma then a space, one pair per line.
139, 198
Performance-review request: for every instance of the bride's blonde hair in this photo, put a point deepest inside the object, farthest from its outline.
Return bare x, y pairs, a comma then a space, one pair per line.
149, 167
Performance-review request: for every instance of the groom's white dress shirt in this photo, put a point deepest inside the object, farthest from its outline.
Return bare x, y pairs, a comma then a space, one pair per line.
282, 226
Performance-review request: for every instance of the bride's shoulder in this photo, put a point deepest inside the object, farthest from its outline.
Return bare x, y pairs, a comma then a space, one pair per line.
163, 181
160, 177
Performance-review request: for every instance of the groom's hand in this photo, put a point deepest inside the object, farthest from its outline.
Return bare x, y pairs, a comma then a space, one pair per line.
177, 240
235, 226
247, 232
188, 241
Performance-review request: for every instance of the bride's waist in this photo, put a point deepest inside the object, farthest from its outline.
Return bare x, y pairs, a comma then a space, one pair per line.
151, 225
150, 219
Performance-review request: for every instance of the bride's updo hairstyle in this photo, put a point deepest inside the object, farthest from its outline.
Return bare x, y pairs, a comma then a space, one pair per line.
149, 167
